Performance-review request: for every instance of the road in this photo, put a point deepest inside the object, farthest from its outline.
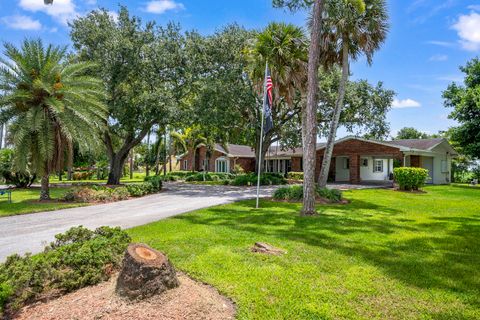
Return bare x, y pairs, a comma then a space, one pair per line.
30, 233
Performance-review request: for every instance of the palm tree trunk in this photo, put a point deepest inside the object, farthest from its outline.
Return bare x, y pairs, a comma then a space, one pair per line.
309, 125
1, 135
45, 187
327, 157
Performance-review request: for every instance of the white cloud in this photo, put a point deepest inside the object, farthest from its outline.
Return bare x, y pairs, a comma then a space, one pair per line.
438, 57
20, 22
405, 103
474, 7
162, 6
61, 10
441, 43
468, 29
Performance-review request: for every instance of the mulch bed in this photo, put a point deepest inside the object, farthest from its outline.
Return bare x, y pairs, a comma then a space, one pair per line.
190, 301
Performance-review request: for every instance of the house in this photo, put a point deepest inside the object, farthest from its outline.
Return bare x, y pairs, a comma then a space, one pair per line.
355, 160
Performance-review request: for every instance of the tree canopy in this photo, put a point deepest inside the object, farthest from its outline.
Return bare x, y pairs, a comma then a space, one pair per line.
410, 133
465, 102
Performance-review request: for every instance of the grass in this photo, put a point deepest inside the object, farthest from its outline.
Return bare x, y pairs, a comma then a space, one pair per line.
386, 255
26, 201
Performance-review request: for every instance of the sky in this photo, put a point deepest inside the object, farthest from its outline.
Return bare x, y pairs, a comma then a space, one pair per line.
427, 42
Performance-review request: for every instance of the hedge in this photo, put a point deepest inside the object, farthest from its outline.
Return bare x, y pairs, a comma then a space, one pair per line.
295, 193
409, 178
250, 179
295, 175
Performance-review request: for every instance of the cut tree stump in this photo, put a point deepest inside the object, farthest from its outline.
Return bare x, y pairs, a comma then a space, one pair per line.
266, 248
145, 272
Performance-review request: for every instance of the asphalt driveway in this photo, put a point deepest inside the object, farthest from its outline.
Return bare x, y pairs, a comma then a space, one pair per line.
30, 233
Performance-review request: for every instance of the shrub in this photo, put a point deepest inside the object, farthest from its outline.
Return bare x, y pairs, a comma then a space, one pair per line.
96, 193
155, 182
139, 189
7, 172
295, 193
250, 179
333, 195
410, 178
295, 175
77, 258
83, 175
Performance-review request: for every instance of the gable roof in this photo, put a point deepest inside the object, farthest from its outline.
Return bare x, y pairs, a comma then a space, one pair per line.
421, 144
236, 150
424, 145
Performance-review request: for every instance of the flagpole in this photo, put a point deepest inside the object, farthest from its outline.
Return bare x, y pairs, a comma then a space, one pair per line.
261, 134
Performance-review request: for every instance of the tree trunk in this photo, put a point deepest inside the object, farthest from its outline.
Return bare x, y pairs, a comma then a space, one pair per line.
132, 155
327, 157
1, 135
117, 162
147, 166
45, 187
309, 127
145, 272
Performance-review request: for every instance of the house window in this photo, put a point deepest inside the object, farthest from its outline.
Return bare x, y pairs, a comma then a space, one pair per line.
364, 162
185, 165
221, 165
346, 163
378, 166
444, 166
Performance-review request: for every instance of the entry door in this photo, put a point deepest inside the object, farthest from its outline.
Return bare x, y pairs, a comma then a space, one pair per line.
427, 163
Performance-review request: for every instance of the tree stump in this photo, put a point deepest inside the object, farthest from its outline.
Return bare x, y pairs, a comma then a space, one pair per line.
145, 273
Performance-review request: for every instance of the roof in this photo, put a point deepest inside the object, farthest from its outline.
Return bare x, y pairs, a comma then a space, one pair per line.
420, 144
236, 150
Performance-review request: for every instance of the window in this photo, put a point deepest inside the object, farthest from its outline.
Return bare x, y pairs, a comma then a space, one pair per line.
206, 164
185, 165
364, 162
444, 166
221, 165
378, 166
346, 163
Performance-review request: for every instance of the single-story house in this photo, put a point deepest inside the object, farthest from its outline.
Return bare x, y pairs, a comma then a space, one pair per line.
355, 160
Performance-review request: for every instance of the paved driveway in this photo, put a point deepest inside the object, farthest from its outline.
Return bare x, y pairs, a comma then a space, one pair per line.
29, 233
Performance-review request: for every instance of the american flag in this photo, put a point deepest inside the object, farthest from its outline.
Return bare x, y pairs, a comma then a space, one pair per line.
267, 108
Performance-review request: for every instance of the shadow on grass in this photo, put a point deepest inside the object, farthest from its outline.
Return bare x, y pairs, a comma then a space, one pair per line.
445, 255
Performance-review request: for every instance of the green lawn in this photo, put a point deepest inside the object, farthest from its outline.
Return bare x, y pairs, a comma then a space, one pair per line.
386, 255
26, 201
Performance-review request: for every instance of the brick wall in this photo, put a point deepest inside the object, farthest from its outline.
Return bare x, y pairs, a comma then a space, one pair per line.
354, 149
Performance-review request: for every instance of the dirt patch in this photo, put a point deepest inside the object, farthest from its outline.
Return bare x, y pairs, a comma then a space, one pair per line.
191, 300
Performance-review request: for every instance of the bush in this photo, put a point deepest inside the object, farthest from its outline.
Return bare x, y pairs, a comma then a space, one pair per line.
96, 193
9, 175
250, 179
409, 178
83, 175
155, 182
333, 195
295, 193
139, 189
77, 258
295, 175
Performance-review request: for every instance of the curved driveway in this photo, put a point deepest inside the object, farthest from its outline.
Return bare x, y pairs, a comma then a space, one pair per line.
30, 233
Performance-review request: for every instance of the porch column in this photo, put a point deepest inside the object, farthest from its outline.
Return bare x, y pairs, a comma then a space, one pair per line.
355, 169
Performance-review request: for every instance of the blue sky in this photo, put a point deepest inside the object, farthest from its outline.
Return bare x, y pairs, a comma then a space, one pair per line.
428, 40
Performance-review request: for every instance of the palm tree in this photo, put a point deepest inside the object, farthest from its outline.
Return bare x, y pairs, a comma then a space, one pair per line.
284, 47
189, 141
50, 103
348, 33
